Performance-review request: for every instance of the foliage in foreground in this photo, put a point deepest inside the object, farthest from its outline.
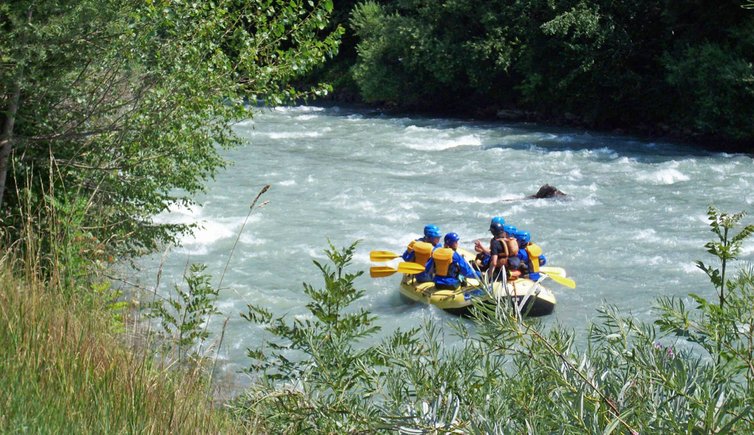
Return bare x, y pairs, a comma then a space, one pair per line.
692, 374
64, 368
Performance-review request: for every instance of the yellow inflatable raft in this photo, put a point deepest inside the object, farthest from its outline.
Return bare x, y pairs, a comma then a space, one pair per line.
531, 297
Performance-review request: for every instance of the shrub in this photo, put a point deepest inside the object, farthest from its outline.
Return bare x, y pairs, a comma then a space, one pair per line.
508, 374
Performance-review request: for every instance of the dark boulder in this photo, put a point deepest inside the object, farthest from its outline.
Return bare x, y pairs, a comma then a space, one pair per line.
547, 191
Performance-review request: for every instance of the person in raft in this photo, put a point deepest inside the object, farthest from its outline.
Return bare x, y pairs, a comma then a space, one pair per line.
503, 251
530, 255
448, 267
419, 250
482, 259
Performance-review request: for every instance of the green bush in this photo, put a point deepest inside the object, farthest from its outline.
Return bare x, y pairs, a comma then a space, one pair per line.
715, 88
689, 373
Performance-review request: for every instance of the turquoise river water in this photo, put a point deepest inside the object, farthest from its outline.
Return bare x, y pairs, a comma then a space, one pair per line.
631, 229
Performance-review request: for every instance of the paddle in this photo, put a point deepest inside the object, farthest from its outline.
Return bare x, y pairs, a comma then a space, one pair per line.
381, 271
553, 270
561, 279
382, 255
405, 267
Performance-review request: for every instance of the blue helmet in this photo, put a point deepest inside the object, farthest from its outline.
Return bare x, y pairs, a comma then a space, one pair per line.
432, 231
451, 238
497, 220
509, 229
496, 229
523, 236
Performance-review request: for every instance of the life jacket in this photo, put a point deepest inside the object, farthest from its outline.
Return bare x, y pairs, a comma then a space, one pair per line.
511, 245
507, 253
443, 258
422, 251
534, 252
507, 246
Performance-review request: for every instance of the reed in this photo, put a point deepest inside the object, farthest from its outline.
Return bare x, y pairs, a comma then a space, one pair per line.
65, 362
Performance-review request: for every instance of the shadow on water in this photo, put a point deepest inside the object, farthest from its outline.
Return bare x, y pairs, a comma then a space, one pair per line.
545, 139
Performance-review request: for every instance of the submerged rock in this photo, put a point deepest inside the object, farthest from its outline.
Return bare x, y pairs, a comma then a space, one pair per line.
547, 191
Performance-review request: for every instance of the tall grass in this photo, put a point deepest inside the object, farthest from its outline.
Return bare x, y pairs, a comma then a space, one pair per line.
65, 366
62, 370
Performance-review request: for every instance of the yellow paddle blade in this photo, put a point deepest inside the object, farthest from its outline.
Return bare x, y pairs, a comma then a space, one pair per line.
381, 271
382, 255
562, 280
410, 268
552, 270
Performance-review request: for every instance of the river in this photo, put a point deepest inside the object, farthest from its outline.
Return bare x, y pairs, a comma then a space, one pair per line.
630, 230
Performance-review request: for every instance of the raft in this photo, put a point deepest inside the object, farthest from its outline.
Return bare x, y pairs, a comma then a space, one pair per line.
540, 300
537, 299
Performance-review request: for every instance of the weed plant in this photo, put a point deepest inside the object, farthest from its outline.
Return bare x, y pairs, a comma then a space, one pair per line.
690, 371
65, 366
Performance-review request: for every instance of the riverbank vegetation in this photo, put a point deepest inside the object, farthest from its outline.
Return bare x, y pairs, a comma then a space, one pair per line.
118, 110
689, 372
110, 113
115, 111
66, 366
653, 67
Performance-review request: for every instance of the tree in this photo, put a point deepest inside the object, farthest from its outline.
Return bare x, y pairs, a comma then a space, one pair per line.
126, 103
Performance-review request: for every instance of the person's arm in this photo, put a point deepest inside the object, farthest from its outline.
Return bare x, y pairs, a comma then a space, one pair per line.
478, 247
409, 254
466, 269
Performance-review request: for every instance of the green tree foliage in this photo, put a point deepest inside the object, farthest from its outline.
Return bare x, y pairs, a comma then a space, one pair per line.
507, 374
416, 54
687, 64
125, 103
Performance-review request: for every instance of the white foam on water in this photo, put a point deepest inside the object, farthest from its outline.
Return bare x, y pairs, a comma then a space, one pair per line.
245, 123
293, 134
287, 183
575, 174
587, 201
210, 232
252, 240
433, 139
664, 176
463, 198
399, 216
649, 235
297, 109
654, 260
690, 268
306, 117
747, 249
179, 214
190, 249
606, 152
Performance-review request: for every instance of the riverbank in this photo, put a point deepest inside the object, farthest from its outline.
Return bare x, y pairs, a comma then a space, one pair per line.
659, 132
